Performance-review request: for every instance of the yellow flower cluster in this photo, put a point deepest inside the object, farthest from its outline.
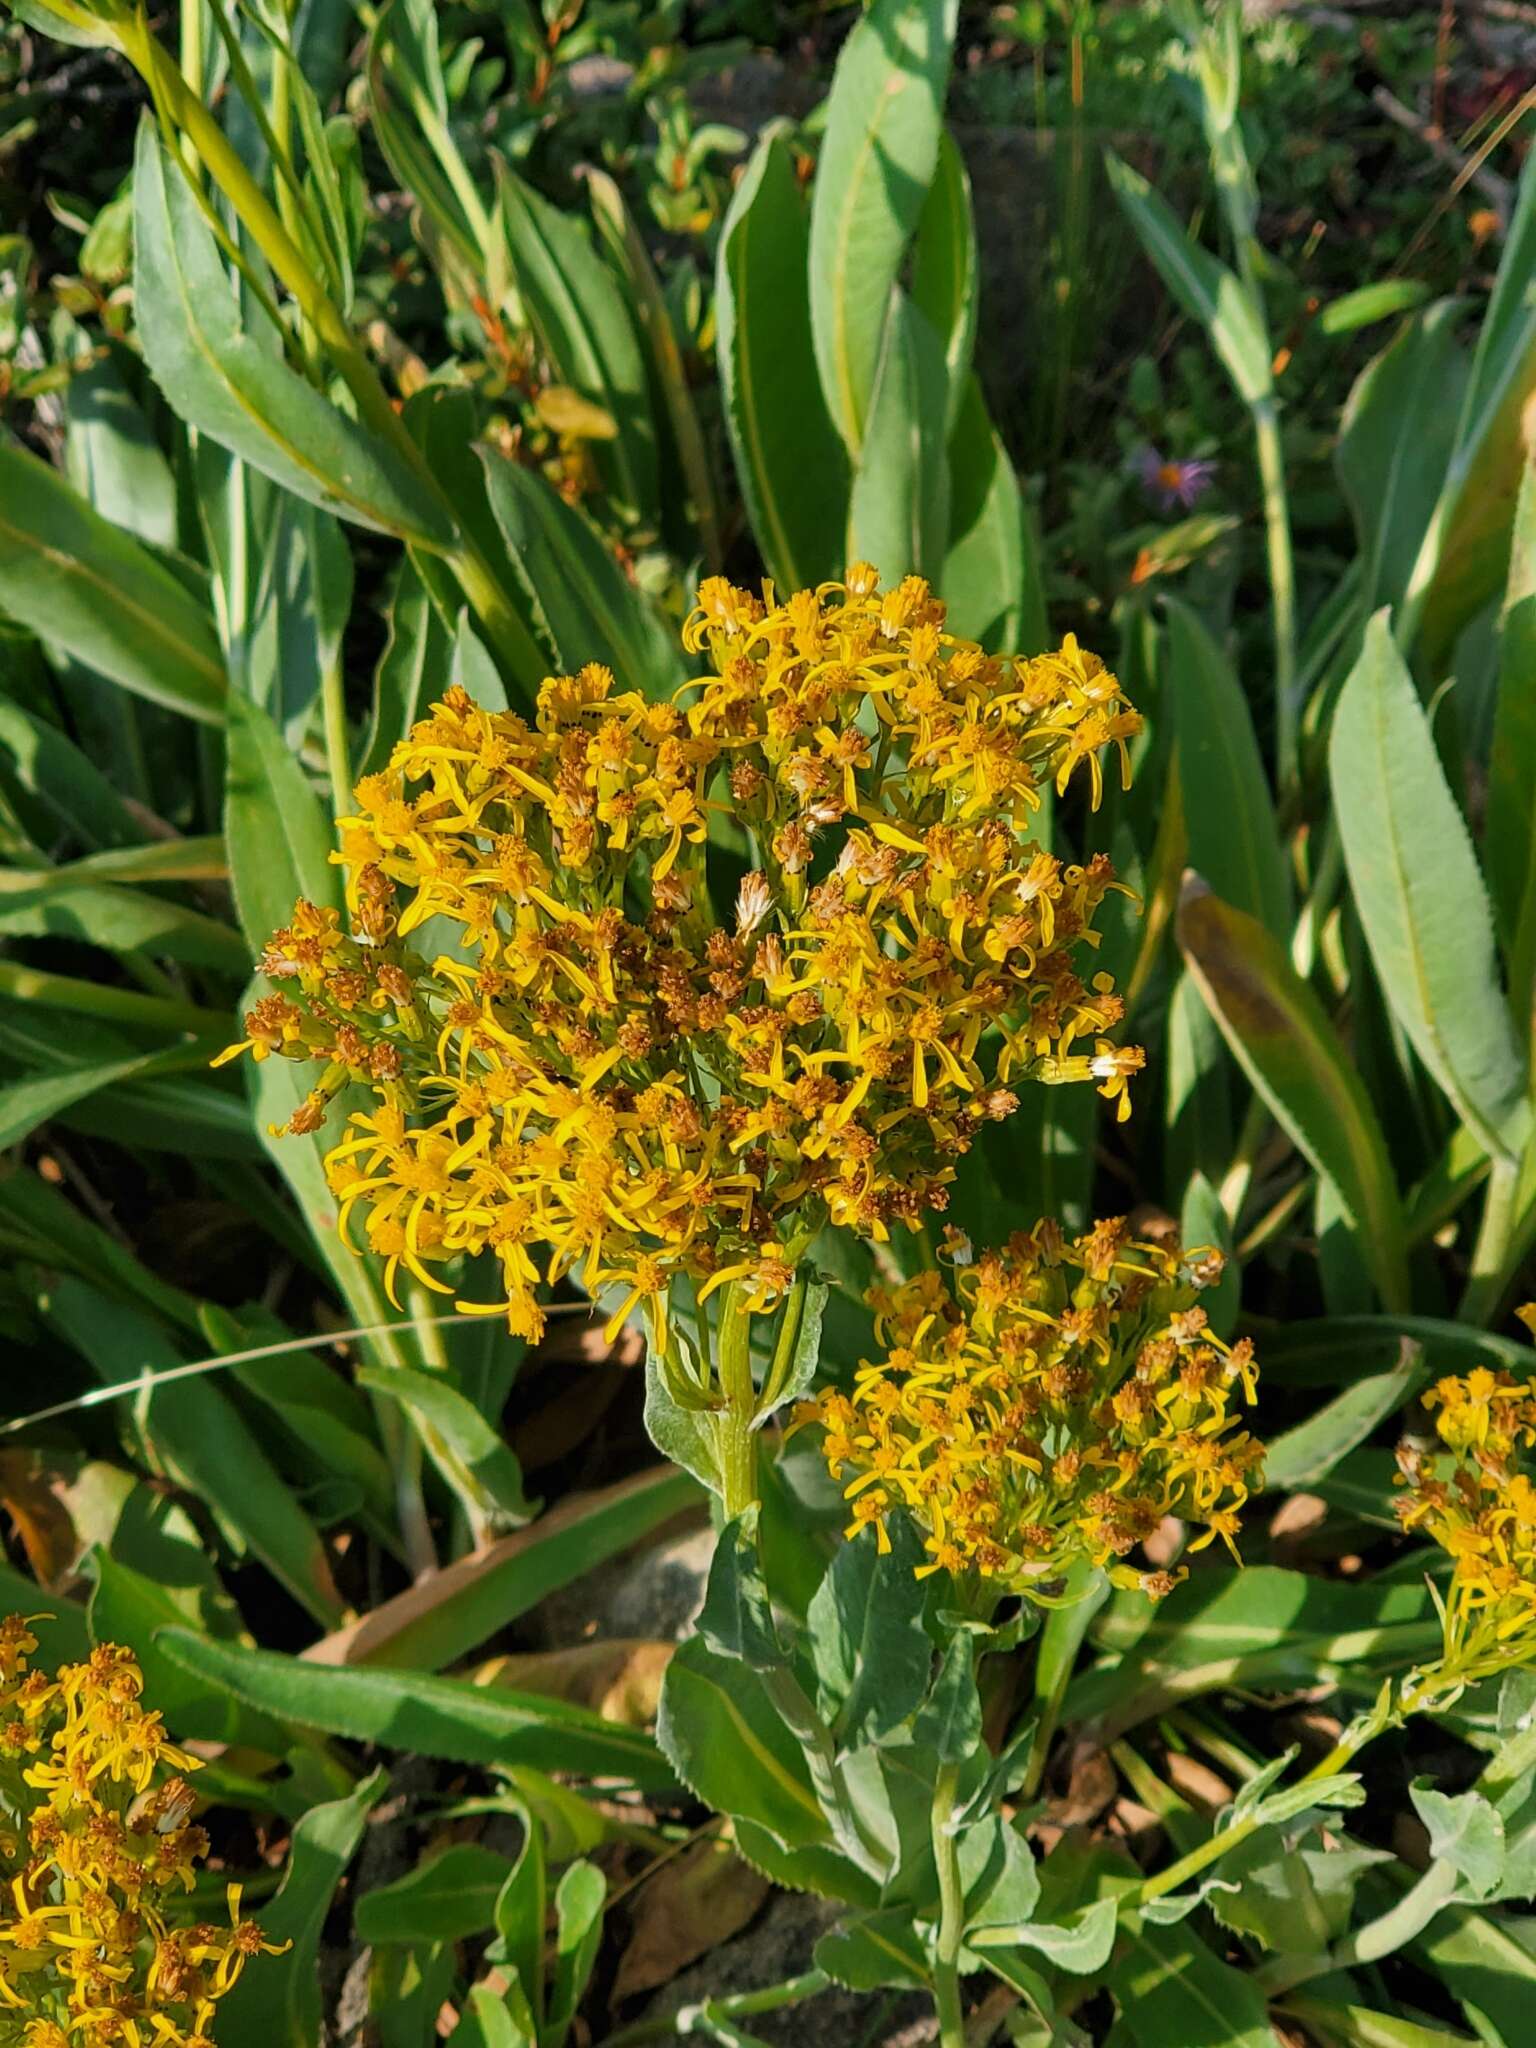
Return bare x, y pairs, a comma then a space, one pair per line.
1471, 1496
1047, 1403
567, 1046
95, 1842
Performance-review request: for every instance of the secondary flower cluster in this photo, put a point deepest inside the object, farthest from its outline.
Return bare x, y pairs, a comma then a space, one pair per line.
568, 1048
1470, 1494
1047, 1403
94, 1844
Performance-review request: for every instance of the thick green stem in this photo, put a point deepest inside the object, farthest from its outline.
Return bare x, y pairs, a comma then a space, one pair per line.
1282, 581
946, 1953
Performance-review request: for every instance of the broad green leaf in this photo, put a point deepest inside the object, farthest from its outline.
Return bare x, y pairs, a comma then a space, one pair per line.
442, 1717
1481, 1962
1465, 557
878, 155
279, 2005
991, 579
898, 512
113, 459
790, 462
949, 1722
1466, 1832
1419, 893
867, 1641
1247, 1628
1173, 1991
944, 271
576, 306
728, 1744
873, 1951
228, 384
736, 1619
1308, 1452
1205, 288
270, 870
1081, 1946
574, 585
84, 585
579, 1900
1509, 847
472, 1456
1283, 1040
1198, 1076
445, 1898
1395, 439
1234, 841
195, 1428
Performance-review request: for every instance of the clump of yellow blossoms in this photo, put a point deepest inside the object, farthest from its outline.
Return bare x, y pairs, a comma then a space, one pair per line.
1047, 1403
1470, 1494
94, 1845
567, 1047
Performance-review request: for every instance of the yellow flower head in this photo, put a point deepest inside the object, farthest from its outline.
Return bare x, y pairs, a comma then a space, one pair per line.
1047, 1403
578, 1065
1471, 1493
96, 1841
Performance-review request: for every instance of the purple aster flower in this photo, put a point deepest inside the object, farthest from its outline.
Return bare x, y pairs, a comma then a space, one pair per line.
1172, 484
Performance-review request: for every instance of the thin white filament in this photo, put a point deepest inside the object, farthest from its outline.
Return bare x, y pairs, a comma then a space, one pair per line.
152, 1381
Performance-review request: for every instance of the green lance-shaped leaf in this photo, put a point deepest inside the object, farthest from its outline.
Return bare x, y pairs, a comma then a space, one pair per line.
584, 605
898, 515
1509, 847
1466, 553
270, 870
445, 1898
1206, 289
442, 1717
1234, 841
277, 2005
790, 462
236, 388
1420, 895
884, 119
728, 1743
991, 579
1395, 439
90, 588
1290, 1051
577, 310
408, 107
473, 1457
944, 271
